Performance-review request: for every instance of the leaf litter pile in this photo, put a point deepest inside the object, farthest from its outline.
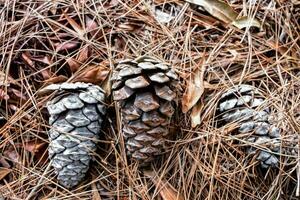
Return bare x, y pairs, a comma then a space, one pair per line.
216, 48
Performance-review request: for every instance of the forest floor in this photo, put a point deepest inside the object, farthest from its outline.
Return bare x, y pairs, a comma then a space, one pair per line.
212, 46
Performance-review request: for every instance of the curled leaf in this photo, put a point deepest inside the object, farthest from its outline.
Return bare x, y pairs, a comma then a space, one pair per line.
225, 13
246, 22
218, 9
195, 89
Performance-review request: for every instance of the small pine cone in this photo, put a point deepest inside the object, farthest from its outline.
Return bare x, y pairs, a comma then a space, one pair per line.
76, 114
145, 90
244, 105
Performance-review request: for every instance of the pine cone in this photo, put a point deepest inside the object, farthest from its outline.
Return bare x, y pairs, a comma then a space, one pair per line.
144, 88
244, 105
291, 145
76, 114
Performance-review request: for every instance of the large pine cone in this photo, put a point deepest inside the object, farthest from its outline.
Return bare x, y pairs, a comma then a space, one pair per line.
76, 114
145, 90
244, 105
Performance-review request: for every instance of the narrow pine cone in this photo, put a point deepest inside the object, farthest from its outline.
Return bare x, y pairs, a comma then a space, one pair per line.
145, 90
76, 114
244, 105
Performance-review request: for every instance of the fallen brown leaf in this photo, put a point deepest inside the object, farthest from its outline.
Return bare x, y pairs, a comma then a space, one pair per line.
226, 13
56, 79
18, 94
27, 58
3, 95
83, 54
166, 190
65, 46
218, 9
93, 74
46, 73
45, 59
13, 155
4, 172
75, 25
34, 146
195, 115
90, 26
195, 89
96, 195
73, 64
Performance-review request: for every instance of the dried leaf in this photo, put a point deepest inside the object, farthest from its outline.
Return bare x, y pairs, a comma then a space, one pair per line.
3, 162
106, 86
4, 172
12, 155
65, 46
246, 22
45, 59
91, 26
46, 73
167, 191
53, 7
218, 9
75, 25
27, 58
195, 115
18, 94
225, 13
83, 54
34, 146
96, 195
93, 74
126, 27
6, 80
194, 90
56, 79
3, 95
73, 64
161, 16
